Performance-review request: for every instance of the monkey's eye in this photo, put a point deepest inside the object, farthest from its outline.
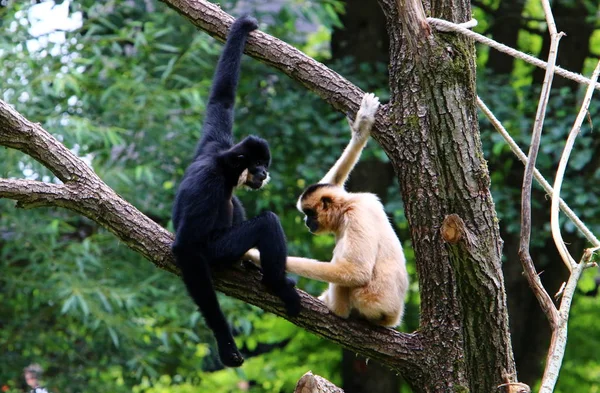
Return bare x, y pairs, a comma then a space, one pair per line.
309, 213
240, 157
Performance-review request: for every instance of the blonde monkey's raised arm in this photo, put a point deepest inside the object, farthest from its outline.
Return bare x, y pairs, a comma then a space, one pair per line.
361, 129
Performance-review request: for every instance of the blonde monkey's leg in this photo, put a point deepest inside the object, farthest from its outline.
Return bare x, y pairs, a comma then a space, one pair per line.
337, 299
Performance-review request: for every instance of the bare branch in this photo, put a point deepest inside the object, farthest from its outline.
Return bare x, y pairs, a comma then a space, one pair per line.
558, 342
29, 193
534, 281
538, 176
444, 25
328, 84
415, 18
88, 195
30, 138
560, 172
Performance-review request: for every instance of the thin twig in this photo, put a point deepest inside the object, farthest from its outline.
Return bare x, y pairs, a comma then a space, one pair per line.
560, 172
585, 231
534, 281
444, 25
558, 341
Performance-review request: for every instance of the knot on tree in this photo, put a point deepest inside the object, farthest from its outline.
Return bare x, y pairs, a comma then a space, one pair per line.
454, 230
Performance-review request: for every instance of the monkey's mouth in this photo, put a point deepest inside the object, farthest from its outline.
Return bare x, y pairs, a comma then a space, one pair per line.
255, 184
312, 225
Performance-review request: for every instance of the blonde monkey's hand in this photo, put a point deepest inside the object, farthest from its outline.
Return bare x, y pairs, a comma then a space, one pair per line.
365, 117
252, 255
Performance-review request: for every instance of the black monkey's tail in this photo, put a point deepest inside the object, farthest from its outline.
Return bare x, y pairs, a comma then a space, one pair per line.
197, 278
228, 68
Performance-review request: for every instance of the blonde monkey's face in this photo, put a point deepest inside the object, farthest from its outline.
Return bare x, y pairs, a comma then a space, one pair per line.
321, 208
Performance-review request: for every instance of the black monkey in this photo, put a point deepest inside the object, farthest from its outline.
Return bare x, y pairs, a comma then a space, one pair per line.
210, 222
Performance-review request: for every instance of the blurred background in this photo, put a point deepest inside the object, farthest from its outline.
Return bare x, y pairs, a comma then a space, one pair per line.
123, 84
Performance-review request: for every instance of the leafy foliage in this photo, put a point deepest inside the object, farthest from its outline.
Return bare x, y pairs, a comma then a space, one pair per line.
126, 92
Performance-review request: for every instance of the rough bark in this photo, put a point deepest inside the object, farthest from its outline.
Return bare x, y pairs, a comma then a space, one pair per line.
432, 139
435, 148
310, 383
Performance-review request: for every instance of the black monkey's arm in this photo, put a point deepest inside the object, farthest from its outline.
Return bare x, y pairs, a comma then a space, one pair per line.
219, 111
228, 68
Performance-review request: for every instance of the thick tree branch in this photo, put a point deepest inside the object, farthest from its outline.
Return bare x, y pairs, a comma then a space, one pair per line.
86, 194
29, 193
328, 84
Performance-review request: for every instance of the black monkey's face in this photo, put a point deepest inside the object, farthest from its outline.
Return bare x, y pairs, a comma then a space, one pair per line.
254, 157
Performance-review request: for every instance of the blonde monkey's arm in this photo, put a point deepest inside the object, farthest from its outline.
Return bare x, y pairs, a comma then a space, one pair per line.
361, 129
341, 272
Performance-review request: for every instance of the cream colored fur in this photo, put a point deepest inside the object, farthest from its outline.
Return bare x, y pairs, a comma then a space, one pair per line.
361, 129
368, 270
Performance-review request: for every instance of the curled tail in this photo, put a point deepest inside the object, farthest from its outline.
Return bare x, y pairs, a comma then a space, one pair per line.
361, 129
228, 68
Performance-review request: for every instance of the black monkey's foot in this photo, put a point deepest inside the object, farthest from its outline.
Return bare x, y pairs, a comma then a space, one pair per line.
246, 23
229, 354
289, 296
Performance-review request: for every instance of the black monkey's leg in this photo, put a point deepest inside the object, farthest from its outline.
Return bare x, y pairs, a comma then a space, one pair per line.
265, 233
196, 276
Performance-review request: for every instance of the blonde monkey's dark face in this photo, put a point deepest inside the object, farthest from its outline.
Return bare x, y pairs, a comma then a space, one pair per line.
320, 211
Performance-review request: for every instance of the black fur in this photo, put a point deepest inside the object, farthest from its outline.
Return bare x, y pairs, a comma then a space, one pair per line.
210, 222
312, 188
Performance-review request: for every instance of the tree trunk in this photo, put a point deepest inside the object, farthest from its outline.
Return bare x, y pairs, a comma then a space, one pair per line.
435, 148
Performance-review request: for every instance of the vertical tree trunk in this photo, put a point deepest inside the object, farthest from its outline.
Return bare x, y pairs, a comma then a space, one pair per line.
435, 148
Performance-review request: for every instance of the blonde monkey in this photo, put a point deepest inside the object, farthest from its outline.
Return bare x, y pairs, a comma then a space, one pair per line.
367, 272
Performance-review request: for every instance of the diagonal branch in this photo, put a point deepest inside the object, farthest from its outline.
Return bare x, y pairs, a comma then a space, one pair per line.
86, 194
534, 281
337, 91
560, 172
30, 193
30, 138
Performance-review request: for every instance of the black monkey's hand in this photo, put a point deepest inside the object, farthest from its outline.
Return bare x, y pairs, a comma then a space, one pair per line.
245, 23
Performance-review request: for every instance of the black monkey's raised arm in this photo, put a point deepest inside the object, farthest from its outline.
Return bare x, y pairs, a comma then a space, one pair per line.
218, 121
